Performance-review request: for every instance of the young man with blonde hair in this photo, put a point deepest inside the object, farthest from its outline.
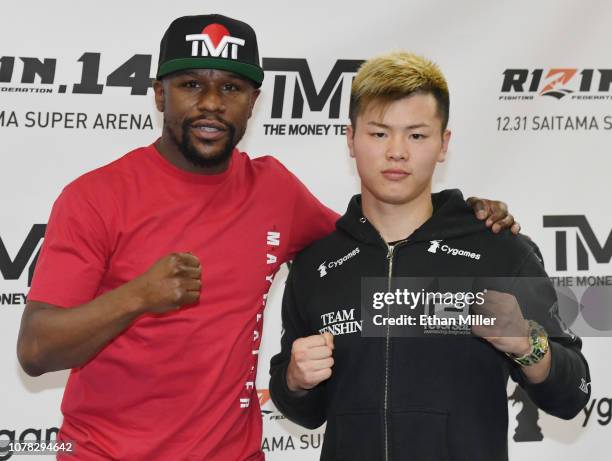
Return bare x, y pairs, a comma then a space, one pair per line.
441, 397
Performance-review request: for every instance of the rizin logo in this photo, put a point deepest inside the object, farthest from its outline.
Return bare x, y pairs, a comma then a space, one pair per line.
338, 262
435, 244
558, 77
557, 82
263, 396
267, 406
215, 41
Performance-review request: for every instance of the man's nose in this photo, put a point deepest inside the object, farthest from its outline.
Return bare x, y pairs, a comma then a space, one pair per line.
210, 100
397, 148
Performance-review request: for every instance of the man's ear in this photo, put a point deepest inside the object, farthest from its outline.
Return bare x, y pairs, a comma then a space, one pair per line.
350, 138
160, 96
254, 97
445, 140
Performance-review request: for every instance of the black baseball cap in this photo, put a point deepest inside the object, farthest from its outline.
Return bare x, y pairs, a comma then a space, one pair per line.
210, 41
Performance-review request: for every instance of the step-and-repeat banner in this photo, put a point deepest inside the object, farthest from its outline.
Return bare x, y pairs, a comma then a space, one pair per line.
531, 116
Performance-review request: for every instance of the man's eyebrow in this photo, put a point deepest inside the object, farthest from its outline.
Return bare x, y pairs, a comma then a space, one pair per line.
230, 76
188, 73
409, 127
240, 77
380, 125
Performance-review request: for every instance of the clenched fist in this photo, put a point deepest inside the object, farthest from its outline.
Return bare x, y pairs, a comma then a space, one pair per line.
509, 331
311, 361
173, 281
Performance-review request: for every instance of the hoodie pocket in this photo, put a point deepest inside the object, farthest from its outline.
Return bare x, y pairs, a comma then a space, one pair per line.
418, 434
358, 436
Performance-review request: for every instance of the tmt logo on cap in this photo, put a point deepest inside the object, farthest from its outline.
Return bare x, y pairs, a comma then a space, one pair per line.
210, 41
215, 41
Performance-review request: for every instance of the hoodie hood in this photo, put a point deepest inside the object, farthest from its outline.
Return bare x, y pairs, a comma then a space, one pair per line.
452, 217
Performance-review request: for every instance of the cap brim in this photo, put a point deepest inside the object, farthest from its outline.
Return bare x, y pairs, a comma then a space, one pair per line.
249, 71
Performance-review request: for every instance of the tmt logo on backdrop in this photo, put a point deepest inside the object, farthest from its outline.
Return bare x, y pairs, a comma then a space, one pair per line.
586, 241
333, 94
579, 84
583, 299
13, 268
304, 88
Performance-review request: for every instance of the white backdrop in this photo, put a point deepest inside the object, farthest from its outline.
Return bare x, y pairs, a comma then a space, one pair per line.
542, 148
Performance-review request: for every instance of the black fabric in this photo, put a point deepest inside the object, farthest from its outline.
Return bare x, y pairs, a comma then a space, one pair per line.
446, 394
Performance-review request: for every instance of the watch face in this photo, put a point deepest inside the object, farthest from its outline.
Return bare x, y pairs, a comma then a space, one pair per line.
539, 345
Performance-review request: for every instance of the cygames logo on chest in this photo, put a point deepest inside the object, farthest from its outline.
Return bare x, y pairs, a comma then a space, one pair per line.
324, 266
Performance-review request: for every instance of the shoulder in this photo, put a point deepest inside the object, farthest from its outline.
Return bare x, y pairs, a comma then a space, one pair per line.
332, 247
267, 161
107, 176
508, 243
99, 189
278, 179
271, 166
515, 251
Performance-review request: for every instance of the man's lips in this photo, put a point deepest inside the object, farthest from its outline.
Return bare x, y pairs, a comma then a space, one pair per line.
395, 174
208, 130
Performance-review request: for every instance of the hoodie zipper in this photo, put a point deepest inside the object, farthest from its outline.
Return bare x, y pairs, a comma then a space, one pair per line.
390, 253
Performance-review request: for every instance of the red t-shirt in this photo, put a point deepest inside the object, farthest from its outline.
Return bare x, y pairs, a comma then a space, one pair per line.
180, 386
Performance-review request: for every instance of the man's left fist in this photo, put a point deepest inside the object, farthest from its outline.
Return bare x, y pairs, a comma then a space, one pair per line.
509, 331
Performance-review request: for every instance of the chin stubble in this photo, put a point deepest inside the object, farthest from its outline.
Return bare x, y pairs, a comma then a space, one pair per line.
191, 154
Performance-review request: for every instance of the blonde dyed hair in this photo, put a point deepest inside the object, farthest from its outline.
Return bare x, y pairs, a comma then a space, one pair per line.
394, 76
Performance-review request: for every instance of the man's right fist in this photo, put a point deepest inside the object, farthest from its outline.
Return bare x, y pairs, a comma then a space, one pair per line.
311, 362
173, 281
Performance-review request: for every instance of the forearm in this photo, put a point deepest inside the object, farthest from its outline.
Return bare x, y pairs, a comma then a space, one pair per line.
538, 372
566, 388
293, 386
53, 338
306, 408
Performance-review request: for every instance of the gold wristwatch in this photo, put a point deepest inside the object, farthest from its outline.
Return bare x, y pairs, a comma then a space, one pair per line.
539, 346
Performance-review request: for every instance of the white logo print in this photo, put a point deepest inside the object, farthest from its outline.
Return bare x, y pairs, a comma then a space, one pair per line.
338, 262
216, 42
340, 322
435, 244
584, 386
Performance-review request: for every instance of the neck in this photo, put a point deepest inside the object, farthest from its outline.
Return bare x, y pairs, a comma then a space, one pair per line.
170, 151
397, 221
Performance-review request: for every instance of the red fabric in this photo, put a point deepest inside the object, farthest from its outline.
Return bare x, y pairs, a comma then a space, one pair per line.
176, 386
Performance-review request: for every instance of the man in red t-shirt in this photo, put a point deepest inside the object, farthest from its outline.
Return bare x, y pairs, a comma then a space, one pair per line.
152, 279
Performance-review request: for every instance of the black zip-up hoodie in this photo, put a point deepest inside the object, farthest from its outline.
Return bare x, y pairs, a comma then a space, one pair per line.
422, 399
